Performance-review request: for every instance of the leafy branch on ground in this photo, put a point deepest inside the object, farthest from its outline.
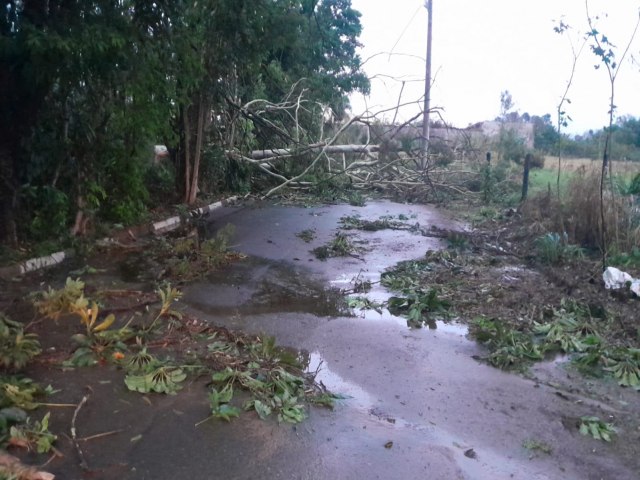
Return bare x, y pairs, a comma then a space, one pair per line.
340, 246
596, 428
273, 376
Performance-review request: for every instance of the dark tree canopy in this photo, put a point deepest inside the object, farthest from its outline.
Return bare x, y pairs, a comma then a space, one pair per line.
88, 87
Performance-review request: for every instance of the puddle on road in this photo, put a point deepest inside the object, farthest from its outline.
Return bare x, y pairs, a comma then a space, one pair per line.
258, 286
356, 396
380, 295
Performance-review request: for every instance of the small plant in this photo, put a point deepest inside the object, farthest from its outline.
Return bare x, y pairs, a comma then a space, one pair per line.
567, 333
596, 428
340, 246
168, 297
307, 235
55, 303
361, 285
356, 198
538, 446
554, 249
20, 392
624, 365
509, 348
156, 378
385, 222
99, 343
405, 275
89, 316
215, 250
363, 303
16, 347
626, 259
457, 241
417, 304
220, 407
33, 436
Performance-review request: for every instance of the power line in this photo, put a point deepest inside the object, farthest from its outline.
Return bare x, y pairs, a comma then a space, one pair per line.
404, 30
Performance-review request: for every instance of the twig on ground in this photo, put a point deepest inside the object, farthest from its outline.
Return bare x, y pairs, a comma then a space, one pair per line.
74, 437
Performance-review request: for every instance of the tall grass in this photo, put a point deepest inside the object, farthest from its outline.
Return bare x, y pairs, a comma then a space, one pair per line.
577, 213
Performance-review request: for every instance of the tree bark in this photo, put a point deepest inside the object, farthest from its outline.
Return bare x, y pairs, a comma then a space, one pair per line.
286, 152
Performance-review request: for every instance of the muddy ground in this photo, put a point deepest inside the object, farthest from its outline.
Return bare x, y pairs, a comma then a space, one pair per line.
420, 402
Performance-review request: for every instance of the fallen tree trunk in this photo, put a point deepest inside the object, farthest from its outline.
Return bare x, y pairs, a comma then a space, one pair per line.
288, 152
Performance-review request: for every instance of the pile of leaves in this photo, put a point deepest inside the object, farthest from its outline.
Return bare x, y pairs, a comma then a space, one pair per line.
273, 376
420, 303
571, 329
18, 394
340, 246
385, 222
187, 257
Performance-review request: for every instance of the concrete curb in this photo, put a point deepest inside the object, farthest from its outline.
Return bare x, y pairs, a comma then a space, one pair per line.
157, 228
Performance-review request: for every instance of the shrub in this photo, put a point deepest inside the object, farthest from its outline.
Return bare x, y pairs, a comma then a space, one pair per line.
554, 248
582, 215
16, 347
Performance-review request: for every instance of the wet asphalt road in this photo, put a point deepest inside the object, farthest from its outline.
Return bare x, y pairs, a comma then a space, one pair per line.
446, 415
420, 405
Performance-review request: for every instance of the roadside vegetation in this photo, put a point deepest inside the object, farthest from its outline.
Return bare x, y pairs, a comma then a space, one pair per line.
76, 162
156, 350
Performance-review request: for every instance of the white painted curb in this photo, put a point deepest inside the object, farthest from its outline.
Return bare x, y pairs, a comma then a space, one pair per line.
157, 228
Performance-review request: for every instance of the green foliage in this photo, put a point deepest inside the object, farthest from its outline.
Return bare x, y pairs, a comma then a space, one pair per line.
538, 446
79, 132
624, 365
363, 303
55, 303
494, 184
340, 246
634, 187
159, 379
568, 332
511, 146
160, 180
554, 249
405, 276
457, 241
307, 235
509, 348
20, 392
34, 435
385, 222
51, 209
146, 373
417, 305
220, 407
188, 258
215, 250
16, 347
220, 173
271, 375
596, 428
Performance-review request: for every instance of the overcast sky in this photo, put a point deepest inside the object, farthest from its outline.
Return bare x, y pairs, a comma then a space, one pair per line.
481, 48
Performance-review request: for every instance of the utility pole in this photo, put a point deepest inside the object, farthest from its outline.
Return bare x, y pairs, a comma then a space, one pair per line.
427, 86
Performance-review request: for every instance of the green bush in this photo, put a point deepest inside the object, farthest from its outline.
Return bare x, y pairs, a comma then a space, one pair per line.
50, 210
554, 248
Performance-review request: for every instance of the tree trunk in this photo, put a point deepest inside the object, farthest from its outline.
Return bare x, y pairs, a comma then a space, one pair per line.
525, 177
8, 197
197, 154
187, 157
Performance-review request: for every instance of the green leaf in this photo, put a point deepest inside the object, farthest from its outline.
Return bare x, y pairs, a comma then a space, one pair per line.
263, 410
161, 380
226, 412
224, 375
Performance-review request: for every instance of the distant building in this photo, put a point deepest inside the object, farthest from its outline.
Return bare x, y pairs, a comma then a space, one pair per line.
491, 130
